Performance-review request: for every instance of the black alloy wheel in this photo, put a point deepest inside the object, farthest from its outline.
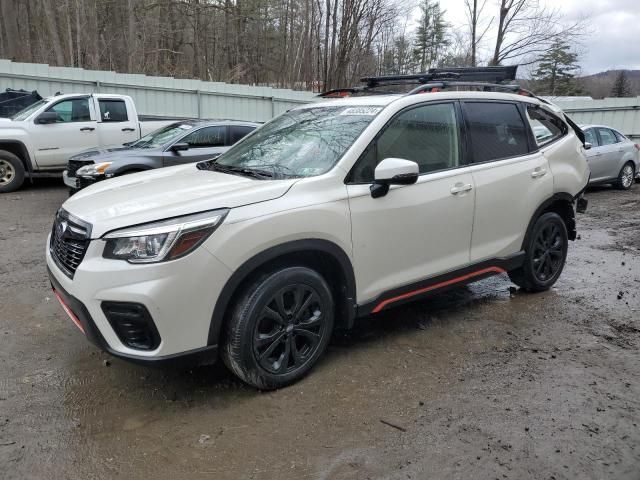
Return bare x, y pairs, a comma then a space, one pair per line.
548, 252
289, 329
545, 254
279, 326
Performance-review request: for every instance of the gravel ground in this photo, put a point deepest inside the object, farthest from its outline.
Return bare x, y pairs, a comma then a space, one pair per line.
481, 382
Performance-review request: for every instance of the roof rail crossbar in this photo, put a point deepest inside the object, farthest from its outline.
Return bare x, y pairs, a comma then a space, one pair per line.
486, 87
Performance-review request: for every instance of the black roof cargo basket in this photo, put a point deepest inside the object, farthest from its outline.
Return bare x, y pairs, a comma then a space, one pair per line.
468, 74
478, 78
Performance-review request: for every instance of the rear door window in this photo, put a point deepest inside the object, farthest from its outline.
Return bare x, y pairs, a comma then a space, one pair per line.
607, 137
206, 137
236, 132
496, 131
113, 111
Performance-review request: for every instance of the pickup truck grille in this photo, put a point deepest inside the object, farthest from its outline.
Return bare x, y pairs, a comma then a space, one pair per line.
74, 165
70, 238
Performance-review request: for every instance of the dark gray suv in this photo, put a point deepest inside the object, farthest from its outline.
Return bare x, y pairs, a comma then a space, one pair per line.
180, 142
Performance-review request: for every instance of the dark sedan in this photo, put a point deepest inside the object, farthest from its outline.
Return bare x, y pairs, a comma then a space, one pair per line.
181, 142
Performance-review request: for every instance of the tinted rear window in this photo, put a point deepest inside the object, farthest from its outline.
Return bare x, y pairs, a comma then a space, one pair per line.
237, 132
496, 130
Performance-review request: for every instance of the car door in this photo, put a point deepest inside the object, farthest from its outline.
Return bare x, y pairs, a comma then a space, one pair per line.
510, 173
115, 126
415, 231
204, 143
605, 164
74, 131
590, 136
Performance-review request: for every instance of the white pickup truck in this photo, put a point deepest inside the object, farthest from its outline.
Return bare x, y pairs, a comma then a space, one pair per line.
40, 139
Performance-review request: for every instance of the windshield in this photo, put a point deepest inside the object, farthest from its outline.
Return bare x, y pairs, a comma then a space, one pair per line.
158, 138
301, 143
24, 113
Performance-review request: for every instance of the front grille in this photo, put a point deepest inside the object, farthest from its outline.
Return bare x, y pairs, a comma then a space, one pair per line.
133, 324
69, 241
74, 165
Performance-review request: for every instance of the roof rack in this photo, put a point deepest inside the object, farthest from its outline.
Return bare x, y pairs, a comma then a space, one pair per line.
485, 78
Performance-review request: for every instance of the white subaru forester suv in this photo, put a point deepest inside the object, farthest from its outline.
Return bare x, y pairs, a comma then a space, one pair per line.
332, 211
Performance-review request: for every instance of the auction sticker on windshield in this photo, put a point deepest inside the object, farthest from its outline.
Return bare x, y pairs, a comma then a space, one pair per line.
369, 111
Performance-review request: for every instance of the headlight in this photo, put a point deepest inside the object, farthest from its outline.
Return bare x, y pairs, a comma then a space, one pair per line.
94, 170
164, 240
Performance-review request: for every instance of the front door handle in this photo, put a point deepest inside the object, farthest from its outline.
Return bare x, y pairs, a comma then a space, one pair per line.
459, 188
539, 172
128, 129
87, 129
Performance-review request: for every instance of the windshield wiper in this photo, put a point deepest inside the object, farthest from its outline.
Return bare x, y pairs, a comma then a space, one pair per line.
249, 172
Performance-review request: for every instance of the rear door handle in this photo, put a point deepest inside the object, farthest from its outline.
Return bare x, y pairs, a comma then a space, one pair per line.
460, 188
539, 172
128, 129
87, 129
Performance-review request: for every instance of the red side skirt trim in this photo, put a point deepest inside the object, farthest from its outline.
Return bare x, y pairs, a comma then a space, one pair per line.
436, 286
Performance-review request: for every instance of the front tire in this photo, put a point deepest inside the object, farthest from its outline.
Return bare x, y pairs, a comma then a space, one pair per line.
279, 327
545, 254
11, 172
625, 177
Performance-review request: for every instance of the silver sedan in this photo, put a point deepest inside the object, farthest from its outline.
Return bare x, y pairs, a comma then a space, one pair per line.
612, 157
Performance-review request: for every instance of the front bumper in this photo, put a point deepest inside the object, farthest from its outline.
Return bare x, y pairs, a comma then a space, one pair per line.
179, 295
82, 319
78, 183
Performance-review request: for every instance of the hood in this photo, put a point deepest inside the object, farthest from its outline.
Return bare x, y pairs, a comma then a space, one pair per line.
4, 121
100, 154
165, 193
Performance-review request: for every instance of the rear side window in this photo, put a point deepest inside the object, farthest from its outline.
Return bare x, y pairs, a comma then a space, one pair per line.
607, 137
546, 127
620, 137
496, 130
591, 137
206, 137
113, 111
427, 135
236, 132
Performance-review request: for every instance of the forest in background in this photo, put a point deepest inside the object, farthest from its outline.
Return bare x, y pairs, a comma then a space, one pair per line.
302, 44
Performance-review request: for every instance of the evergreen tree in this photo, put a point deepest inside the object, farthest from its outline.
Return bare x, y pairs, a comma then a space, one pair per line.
556, 71
431, 35
621, 86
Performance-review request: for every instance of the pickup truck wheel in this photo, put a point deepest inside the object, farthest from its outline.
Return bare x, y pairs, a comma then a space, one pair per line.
545, 254
280, 326
625, 177
11, 172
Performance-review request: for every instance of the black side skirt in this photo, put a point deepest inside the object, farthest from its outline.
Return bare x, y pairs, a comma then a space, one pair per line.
440, 283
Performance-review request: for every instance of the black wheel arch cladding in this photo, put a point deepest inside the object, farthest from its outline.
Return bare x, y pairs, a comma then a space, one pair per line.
308, 252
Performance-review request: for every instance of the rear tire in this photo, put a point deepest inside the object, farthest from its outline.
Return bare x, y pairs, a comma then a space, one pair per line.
11, 172
279, 327
545, 254
625, 177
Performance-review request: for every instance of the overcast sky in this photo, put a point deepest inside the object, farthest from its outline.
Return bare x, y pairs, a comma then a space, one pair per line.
613, 41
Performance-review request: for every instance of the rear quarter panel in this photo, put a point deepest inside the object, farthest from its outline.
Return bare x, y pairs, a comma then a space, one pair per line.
568, 163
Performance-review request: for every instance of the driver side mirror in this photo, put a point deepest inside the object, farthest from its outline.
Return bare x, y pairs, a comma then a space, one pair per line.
393, 171
587, 146
47, 117
179, 147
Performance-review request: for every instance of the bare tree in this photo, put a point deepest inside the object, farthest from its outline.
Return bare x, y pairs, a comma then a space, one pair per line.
526, 29
478, 28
